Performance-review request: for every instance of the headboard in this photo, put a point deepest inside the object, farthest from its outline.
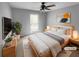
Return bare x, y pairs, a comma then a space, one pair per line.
67, 27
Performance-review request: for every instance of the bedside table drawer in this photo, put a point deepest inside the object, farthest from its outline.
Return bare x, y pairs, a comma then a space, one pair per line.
9, 52
75, 42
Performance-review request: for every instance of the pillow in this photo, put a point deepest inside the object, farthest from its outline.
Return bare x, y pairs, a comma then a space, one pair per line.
64, 30
61, 31
69, 32
53, 29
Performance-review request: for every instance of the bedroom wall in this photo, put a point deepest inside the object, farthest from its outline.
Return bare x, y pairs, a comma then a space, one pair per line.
74, 10
5, 11
23, 16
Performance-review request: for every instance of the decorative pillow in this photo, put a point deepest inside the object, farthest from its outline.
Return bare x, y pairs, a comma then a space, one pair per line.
69, 32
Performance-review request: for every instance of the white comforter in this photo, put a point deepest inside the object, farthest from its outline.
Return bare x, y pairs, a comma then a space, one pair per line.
43, 42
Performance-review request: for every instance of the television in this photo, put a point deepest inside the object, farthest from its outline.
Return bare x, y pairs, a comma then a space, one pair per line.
6, 26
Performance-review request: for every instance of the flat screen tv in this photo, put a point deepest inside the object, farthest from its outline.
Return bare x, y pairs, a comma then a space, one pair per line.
6, 26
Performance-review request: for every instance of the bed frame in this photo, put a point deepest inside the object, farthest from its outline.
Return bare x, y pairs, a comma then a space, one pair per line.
62, 46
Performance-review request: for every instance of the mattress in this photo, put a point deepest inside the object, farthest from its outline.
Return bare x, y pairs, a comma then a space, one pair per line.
41, 49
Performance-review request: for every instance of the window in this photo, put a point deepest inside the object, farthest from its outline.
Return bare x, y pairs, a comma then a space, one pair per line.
34, 22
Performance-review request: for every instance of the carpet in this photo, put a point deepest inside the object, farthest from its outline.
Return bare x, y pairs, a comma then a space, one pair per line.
69, 54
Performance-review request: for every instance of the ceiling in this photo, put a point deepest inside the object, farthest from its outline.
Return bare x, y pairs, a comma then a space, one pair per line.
36, 5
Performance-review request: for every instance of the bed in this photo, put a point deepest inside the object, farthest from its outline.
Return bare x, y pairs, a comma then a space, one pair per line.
49, 43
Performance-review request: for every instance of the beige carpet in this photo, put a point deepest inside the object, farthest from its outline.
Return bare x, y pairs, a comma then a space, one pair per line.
19, 49
74, 53
27, 48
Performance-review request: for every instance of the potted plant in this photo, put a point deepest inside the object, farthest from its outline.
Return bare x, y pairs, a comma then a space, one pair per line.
8, 41
17, 29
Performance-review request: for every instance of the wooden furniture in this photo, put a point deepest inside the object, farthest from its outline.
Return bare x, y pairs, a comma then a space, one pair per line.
10, 51
75, 41
60, 26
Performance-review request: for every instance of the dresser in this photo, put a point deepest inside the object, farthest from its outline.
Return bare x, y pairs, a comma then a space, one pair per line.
75, 41
10, 51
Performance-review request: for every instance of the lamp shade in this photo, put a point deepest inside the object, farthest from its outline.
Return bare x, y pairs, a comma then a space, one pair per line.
48, 27
75, 34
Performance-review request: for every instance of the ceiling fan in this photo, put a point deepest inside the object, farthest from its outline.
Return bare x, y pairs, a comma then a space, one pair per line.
44, 7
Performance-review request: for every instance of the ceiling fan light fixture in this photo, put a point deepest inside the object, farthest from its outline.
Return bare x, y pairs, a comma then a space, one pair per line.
45, 7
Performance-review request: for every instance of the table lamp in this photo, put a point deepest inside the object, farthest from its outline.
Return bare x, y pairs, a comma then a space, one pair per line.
75, 34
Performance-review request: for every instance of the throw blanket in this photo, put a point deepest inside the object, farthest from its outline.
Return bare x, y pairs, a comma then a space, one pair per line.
59, 39
53, 45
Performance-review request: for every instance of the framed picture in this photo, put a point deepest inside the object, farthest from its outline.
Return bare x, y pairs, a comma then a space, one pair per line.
64, 18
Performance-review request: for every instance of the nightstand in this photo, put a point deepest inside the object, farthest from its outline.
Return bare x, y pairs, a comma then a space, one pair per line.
10, 51
75, 41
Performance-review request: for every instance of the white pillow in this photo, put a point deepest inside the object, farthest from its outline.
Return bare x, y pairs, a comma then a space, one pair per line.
53, 29
61, 31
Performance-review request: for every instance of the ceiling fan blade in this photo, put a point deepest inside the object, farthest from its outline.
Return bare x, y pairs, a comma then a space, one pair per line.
51, 5
47, 8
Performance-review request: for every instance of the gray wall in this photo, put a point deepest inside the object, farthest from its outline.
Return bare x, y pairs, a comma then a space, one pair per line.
23, 16
74, 10
4, 12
